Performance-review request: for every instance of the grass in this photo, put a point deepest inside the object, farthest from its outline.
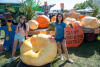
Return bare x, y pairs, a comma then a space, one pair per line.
86, 55
2, 34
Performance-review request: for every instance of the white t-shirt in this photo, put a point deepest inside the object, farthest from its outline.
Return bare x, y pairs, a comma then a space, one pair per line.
21, 31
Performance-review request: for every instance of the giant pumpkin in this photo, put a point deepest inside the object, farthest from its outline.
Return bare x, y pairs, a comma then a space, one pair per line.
38, 50
43, 21
33, 24
74, 35
90, 22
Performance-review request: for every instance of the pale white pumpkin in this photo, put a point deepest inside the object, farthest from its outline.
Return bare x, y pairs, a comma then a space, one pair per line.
38, 50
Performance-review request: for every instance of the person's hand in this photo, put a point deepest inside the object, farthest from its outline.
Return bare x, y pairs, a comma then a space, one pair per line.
19, 27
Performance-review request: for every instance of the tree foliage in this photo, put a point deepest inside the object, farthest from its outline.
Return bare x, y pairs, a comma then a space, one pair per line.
86, 4
83, 5
29, 8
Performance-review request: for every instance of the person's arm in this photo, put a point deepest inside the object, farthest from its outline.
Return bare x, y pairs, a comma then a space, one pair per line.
27, 30
52, 5
17, 28
65, 31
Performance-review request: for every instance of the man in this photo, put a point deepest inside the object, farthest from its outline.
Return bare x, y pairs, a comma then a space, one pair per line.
46, 8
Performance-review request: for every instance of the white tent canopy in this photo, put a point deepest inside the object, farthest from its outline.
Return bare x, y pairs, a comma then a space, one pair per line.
11, 1
87, 9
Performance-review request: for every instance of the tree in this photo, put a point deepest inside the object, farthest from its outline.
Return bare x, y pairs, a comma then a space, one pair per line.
86, 4
83, 5
95, 11
29, 8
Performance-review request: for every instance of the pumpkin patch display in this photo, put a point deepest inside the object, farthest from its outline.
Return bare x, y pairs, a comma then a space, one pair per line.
43, 21
38, 50
90, 22
69, 20
33, 24
74, 35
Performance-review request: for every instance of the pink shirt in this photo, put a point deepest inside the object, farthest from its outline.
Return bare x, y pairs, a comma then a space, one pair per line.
21, 31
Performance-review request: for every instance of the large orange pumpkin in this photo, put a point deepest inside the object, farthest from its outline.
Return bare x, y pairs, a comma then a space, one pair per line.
74, 35
43, 21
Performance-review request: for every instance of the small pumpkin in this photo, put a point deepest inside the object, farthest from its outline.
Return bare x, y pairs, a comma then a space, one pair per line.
38, 50
33, 24
43, 21
53, 19
82, 16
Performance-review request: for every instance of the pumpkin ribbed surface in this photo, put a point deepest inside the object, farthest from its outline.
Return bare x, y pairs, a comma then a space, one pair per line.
43, 21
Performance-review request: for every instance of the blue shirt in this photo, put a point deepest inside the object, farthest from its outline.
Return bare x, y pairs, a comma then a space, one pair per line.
59, 34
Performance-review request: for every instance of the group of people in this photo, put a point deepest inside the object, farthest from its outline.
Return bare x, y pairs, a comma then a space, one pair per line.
60, 36
22, 30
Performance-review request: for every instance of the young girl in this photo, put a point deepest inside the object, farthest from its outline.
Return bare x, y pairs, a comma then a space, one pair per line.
60, 36
21, 32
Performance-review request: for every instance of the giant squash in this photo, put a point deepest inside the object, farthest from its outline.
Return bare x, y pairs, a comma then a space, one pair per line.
38, 50
43, 21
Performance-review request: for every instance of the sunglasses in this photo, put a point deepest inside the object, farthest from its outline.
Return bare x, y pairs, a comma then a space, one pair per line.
59, 16
9, 20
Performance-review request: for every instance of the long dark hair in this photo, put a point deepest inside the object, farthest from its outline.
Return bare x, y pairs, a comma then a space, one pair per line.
57, 17
24, 23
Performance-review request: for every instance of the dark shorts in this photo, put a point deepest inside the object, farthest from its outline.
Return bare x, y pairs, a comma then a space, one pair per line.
59, 40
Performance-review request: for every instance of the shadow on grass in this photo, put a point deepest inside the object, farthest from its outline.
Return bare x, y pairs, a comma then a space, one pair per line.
8, 54
6, 65
55, 60
86, 49
62, 65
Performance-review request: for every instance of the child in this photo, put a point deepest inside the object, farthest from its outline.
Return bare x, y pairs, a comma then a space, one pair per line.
21, 32
60, 36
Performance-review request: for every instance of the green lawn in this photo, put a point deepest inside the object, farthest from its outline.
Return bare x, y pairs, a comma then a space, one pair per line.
86, 55
2, 34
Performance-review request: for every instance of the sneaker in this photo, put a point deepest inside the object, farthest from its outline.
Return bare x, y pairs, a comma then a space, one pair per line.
62, 58
70, 61
11, 60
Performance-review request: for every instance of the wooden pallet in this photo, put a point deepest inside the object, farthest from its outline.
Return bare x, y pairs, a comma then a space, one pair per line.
91, 30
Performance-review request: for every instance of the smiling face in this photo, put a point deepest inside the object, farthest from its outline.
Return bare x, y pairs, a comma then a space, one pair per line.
21, 20
59, 18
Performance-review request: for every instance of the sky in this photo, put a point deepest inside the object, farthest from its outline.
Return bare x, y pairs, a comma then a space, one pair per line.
68, 4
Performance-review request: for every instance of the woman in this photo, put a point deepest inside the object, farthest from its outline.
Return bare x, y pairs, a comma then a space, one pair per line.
60, 36
21, 32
